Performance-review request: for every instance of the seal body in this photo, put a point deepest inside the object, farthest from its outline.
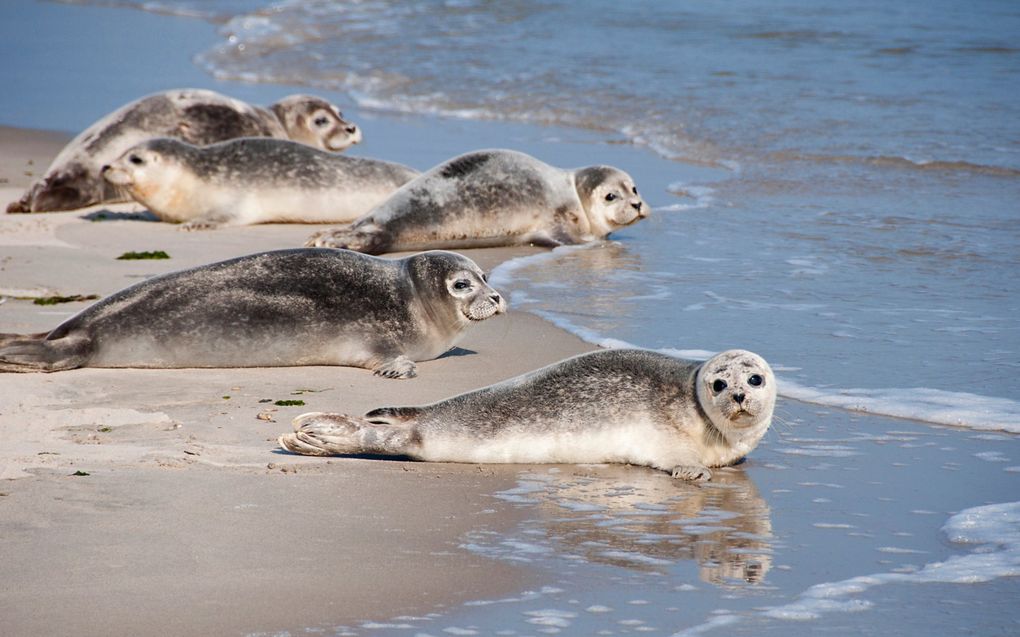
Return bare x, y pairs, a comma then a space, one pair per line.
494, 198
196, 116
252, 180
280, 308
615, 406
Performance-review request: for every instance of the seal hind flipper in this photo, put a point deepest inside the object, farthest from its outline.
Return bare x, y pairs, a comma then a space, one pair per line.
19, 206
10, 338
321, 434
33, 353
367, 240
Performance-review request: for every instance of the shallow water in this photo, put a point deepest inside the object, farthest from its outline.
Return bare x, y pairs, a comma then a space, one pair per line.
839, 523
835, 187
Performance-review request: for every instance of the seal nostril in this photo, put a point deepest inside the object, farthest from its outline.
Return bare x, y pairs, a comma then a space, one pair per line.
351, 129
105, 168
496, 299
637, 206
739, 398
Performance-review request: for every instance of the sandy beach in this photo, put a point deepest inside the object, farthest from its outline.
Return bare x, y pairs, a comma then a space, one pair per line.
190, 520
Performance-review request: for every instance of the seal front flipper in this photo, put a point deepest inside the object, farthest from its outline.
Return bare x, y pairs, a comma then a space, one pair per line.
33, 353
694, 473
206, 223
540, 240
399, 367
321, 434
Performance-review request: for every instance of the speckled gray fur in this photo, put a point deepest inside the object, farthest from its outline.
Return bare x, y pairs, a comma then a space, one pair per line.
287, 307
271, 162
492, 198
252, 180
627, 406
197, 116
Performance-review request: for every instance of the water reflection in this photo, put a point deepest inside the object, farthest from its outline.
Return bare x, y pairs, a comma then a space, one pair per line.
642, 521
596, 284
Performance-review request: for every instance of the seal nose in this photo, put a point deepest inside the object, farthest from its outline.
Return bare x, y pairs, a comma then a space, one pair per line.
351, 129
106, 167
739, 398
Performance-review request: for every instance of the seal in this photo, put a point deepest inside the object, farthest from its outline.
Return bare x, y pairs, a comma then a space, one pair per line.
612, 406
494, 198
197, 116
281, 308
252, 180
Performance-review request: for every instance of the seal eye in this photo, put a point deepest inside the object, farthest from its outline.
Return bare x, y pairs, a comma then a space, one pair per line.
136, 160
321, 121
461, 284
755, 380
634, 189
611, 196
719, 385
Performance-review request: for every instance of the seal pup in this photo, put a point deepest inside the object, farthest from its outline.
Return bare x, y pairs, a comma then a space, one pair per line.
616, 406
252, 180
494, 198
271, 309
197, 116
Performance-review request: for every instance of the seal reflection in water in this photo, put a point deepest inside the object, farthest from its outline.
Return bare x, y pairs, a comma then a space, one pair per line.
494, 198
252, 180
282, 308
196, 116
617, 406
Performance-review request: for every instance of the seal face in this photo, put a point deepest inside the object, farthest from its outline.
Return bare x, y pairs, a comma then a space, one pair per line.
617, 406
280, 308
251, 180
494, 198
196, 116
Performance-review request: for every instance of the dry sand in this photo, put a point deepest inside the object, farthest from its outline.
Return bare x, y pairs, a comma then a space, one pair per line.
190, 519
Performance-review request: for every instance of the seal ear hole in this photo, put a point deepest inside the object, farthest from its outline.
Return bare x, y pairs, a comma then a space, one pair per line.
718, 385
756, 380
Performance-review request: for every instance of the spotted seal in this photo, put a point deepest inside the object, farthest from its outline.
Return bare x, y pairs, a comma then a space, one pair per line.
615, 406
252, 180
197, 116
303, 306
494, 198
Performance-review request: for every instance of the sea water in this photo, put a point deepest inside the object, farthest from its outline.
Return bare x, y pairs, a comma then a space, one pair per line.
860, 231
835, 186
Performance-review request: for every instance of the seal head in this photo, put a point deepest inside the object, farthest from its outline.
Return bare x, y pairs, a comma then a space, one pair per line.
313, 121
